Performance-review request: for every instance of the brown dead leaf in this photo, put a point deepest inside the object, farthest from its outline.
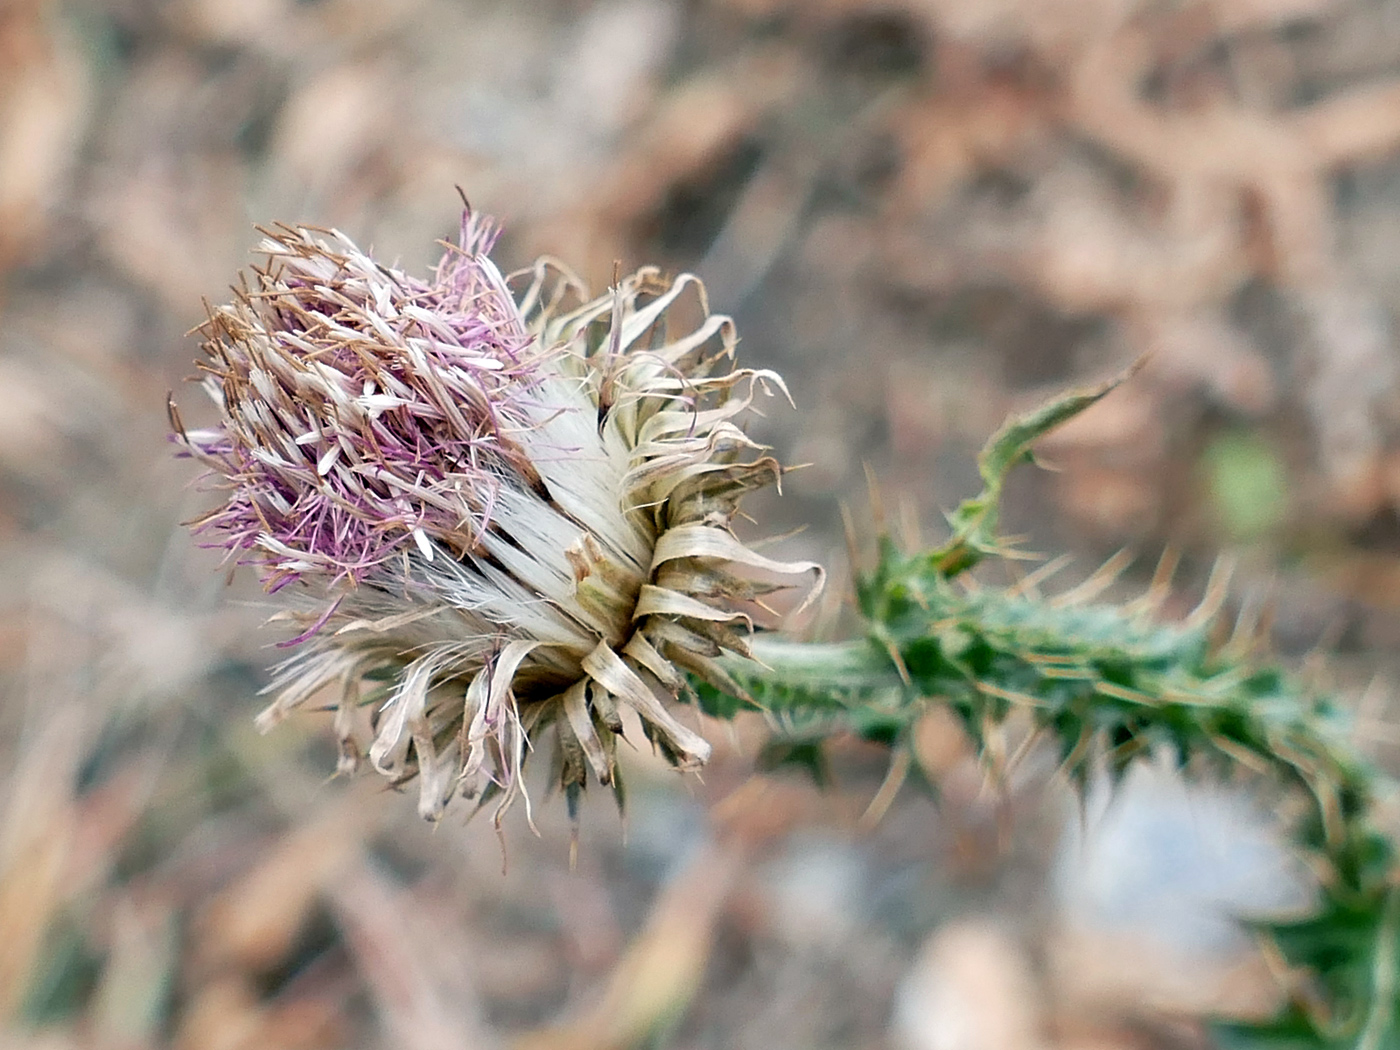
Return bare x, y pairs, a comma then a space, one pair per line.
43, 107
661, 970
253, 923
35, 839
130, 999
417, 969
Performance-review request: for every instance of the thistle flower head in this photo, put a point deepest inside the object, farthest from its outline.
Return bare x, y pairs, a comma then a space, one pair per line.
499, 515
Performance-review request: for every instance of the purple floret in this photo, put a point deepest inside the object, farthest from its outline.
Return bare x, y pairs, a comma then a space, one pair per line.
363, 411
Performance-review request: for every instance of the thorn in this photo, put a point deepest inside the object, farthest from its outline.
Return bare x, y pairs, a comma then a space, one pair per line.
1009, 548
1005, 819
994, 751
1252, 626
1246, 620
1028, 586
1217, 632
909, 524
1160, 589
968, 584
1217, 587
1076, 757
897, 657
877, 505
895, 776
994, 755
1331, 809
1099, 581
1314, 671
848, 526
1268, 616
1319, 782
1010, 695
1119, 692
1126, 751
1022, 750
1284, 973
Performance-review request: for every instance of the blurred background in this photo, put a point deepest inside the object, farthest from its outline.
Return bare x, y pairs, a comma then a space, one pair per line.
925, 214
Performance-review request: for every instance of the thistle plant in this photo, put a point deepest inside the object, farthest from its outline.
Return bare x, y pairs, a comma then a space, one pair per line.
499, 511
496, 515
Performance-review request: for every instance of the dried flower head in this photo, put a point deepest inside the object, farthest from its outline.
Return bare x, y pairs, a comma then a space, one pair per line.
499, 515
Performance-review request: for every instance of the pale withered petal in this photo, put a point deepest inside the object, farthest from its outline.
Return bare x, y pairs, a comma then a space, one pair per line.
495, 514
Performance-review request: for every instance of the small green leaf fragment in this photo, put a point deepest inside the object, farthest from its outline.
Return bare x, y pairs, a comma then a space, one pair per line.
1248, 485
974, 523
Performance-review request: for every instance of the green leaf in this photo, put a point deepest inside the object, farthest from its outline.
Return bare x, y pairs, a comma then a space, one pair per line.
975, 521
714, 703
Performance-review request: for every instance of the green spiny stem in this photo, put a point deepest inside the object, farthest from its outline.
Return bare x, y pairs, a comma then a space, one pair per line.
856, 664
1109, 684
